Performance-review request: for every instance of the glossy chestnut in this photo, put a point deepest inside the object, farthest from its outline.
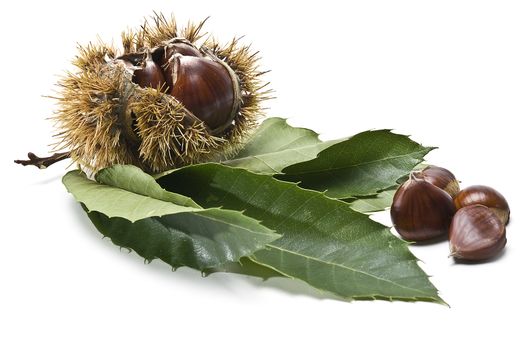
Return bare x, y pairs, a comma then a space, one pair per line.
486, 196
164, 56
149, 74
441, 178
205, 88
421, 211
476, 233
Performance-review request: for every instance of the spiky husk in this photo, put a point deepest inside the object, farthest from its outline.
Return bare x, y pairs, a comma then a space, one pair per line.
169, 135
94, 120
88, 118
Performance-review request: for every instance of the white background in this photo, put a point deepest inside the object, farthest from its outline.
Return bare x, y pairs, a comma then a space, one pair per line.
449, 73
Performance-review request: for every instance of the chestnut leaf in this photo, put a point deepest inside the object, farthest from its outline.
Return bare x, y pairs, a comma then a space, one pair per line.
362, 165
130, 208
324, 242
275, 145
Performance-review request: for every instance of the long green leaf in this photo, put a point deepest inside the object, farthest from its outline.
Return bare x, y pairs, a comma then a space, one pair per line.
363, 165
275, 145
129, 207
324, 242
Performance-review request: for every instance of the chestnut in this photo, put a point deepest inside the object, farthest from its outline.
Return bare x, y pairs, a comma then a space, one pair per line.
182, 48
441, 178
149, 74
486, 196
421, 211
164, 56
476, 233
205, 87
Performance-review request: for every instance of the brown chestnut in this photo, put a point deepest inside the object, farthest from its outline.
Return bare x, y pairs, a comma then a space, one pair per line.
182, 48
476, 233
420, 210
205, 87
486, 196
163, 56
149, 74
441, 178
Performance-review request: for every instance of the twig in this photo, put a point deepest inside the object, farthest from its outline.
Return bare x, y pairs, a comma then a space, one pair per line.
44, 162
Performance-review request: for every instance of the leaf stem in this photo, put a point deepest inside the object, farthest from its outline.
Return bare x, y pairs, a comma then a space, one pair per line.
43, 162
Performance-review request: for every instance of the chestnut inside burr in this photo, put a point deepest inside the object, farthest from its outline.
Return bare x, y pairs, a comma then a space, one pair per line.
149, 74
202, 84
205, 88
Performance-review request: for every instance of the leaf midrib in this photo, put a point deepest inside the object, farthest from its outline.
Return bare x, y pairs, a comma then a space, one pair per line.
316, 140
213, 219
279, 151
122, 192
343, 267
353, 165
